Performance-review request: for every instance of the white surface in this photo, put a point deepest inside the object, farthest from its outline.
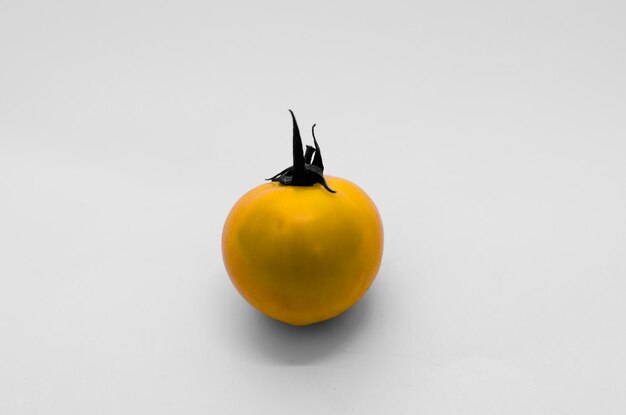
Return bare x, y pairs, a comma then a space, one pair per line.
491, 135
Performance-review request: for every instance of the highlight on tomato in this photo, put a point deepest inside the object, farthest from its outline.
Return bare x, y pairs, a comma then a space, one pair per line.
303, 247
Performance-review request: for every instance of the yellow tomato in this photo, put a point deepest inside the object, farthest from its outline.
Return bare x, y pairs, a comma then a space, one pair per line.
302, 254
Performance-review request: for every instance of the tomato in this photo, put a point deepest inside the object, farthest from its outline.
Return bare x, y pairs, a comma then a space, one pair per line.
303, 253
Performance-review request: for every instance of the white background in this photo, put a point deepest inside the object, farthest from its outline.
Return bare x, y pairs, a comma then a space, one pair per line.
491, 135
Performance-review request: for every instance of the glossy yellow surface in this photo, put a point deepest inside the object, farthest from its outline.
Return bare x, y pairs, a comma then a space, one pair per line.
302, 254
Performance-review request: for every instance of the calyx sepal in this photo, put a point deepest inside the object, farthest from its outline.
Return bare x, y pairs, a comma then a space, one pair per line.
307, 169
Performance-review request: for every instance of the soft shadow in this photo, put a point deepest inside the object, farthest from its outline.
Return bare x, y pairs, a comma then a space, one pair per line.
273, 342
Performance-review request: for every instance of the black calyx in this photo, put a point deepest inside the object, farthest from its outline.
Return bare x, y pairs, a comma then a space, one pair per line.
307, 169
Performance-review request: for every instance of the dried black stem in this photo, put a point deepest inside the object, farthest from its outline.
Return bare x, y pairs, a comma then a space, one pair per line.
303, 172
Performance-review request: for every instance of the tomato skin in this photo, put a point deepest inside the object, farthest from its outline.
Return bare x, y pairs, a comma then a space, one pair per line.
301, 254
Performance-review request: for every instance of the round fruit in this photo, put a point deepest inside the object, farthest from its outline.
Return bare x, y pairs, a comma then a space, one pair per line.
303, 248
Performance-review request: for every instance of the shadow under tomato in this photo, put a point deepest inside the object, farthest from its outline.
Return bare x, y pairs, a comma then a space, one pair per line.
275, 342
